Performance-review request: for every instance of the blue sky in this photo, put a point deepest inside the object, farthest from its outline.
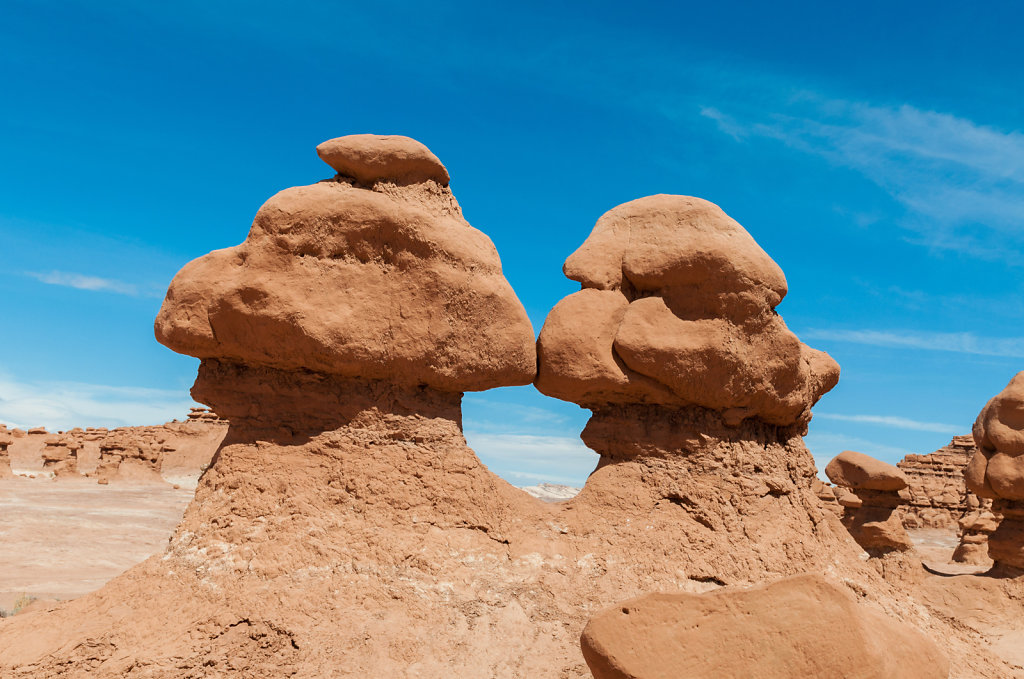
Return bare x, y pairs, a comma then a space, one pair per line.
874, 151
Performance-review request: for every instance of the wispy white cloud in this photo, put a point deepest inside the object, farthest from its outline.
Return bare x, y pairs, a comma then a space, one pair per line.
959, 342
92, 283
962, 181
64, 405
524, 459
895, 422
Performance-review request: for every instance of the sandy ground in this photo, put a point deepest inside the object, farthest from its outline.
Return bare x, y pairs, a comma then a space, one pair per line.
936, 547
59, 540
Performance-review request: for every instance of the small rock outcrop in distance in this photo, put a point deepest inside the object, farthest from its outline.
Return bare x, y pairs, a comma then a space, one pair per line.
60, 456
975, 527
938, 496
996, 471
5, 459
200, 414
801, 626
871, 513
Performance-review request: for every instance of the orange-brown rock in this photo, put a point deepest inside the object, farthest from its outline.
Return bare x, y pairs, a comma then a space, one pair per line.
801, 626
937, 494
60, 455
873, 519
372, 158
384, 281
975, 527
858, 471
344, 528
997, 470
678, 309
5, 459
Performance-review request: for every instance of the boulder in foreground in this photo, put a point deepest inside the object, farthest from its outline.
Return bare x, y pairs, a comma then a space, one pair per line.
801, 626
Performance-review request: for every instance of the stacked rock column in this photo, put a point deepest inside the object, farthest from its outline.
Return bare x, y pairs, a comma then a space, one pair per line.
870, 507
996, 471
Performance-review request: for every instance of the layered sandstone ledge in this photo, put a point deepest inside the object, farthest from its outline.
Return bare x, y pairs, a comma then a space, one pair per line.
175, 452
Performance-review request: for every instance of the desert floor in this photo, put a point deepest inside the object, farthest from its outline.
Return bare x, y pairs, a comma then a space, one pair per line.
60, 540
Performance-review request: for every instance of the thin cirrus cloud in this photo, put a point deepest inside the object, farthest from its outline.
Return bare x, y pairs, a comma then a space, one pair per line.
963, 181
958, 342
91, 283
525, 459
895, 422
64, 405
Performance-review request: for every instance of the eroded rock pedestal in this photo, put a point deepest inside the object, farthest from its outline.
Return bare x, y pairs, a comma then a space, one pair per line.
344, 528
870, 512
975, 527
997, 471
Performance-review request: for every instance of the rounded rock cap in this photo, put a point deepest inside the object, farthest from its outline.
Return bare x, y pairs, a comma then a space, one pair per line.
858, 471
370, 158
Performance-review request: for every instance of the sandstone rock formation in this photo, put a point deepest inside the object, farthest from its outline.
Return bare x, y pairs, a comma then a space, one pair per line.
975, 527
870, 513
60, 456
678, 303
801, 626
938, 496
5, 459
417, 294
996, 471
344, 528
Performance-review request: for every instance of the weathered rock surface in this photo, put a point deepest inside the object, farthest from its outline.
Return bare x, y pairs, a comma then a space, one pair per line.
997, 470
406, 290
937, 494
175, 452
858, 471
371, 158
344, 528
872, 519
5, 459
801, 626
975, 528
677, 309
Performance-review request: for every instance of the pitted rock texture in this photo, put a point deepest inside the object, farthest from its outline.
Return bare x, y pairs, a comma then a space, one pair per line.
384, 281
871, 515
678, 309
801, 626
938, 495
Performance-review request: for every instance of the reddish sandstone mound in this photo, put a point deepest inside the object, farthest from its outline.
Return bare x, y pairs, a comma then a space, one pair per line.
997, 470
377, 280
700, 393
870, 509
680, 305
345, 529
5, 458
801, 626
